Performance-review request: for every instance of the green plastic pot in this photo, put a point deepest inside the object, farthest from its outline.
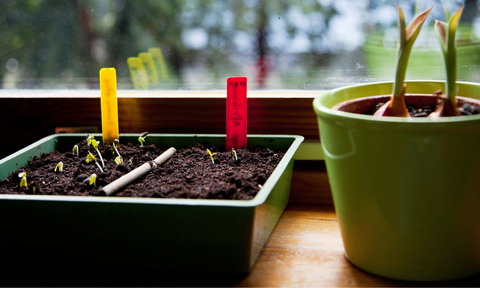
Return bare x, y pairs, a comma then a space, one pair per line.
405, 190
219, 236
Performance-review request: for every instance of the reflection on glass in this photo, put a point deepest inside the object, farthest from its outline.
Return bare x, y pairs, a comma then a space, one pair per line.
198, 44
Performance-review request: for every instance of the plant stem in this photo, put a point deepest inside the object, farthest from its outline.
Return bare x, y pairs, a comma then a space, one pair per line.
101, 159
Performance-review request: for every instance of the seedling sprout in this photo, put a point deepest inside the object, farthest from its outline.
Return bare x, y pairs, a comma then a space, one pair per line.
234, 155
92, 180
115, 143
91, 158
91, 140
446, 36
396, 105
118, 160
211, 155
142, 137
75, 149
23, 180
59, 167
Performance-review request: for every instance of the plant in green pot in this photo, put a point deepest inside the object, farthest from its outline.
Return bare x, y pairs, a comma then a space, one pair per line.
405, 188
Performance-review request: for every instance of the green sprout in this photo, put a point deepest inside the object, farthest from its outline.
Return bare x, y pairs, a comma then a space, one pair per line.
446, 36
23, 180
142, 138
91, 140
118, 160
396, 105
211, 155
59, 167
91, 158
75, 149
115, 143
92, 180
234, 155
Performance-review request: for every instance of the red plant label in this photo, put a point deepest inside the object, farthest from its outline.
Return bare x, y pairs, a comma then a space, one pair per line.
236, 112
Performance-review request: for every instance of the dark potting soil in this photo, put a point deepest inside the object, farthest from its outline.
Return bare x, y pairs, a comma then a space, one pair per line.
424, 111
189, 173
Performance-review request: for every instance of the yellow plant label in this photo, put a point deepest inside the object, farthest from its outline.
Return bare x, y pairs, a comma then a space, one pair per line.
159, 62
149, 64
109, 106
138, 73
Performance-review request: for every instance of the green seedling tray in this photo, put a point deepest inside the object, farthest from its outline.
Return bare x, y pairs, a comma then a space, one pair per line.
219, 236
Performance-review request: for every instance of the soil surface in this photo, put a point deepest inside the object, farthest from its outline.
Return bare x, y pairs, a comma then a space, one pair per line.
189, 173
424, 111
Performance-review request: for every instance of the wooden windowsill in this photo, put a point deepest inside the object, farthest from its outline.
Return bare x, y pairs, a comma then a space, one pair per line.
304, 250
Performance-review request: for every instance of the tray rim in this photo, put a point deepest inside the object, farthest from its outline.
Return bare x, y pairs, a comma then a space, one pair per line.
259, 199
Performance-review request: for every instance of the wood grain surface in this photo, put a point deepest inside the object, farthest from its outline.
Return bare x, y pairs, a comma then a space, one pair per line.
304, 250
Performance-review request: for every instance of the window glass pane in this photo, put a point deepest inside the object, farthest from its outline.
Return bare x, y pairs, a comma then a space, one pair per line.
309, 44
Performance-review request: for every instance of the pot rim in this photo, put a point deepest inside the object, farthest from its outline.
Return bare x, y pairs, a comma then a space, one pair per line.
416, 86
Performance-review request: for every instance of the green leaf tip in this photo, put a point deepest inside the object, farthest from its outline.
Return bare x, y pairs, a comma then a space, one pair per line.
234, 155
75, 149
91, 158
118, 160
408, 35
59, 167
142, 137
211, 155
115, 144
89, 139
446, 32
92, 180
23, 180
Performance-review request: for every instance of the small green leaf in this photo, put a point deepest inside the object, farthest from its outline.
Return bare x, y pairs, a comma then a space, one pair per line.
23, 180
115, 143
211, 155
75, 149
92, 180
89, 139
142, 137
95, 144
59, 167
234, 155
118, 160
90, 157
